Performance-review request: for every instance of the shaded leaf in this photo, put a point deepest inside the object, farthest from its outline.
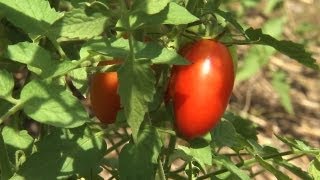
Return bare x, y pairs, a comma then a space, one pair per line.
244, 127
138, 160
224, 134
62, 154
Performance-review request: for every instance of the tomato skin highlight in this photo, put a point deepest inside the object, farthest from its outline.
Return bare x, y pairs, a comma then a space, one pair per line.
200, 91
105, 101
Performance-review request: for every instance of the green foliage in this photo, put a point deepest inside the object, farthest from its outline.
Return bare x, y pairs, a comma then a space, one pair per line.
142, 155
64, 153
6, 83
78, 24
314, 168
52, 104
50, 49
136, 95
258, 56
289, 48
33, 16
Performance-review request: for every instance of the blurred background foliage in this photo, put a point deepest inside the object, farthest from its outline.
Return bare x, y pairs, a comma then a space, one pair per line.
272, 90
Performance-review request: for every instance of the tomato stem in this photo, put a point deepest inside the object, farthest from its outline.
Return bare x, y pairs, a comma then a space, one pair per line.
18, 106
11, 100
190, 171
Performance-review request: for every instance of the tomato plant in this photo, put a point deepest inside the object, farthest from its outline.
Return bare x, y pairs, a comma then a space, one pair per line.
201, 91
105, 101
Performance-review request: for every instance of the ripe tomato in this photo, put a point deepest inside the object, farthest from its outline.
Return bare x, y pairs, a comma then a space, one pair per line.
200, 91
105, 101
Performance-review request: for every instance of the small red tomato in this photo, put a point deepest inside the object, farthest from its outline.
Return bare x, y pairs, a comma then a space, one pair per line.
200, 91
105, 101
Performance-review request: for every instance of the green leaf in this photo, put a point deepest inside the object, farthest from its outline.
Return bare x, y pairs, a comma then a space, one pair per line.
77, 24
159, 55
282, 87
17, 139
244, 127
199, 151
52, 104
79, 78
314, 168
294, 169
227, 163
224, 134
137, 160
294, 143
33, 16
258, 56
119, 48
289, 48
150, 6
263, 151
172, 14
37, 58
136, 89
230, 18
6, 83
278, 174
64, 153
61, 68
116, 48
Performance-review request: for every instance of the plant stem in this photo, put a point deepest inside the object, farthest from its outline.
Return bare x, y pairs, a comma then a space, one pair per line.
18, 105
170, 149
5, 167
190, 171
117, 145
160, 170
58, 47
131, 46
11, 100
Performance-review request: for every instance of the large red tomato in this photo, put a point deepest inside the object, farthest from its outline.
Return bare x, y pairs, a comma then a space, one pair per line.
105, 101
200, 91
